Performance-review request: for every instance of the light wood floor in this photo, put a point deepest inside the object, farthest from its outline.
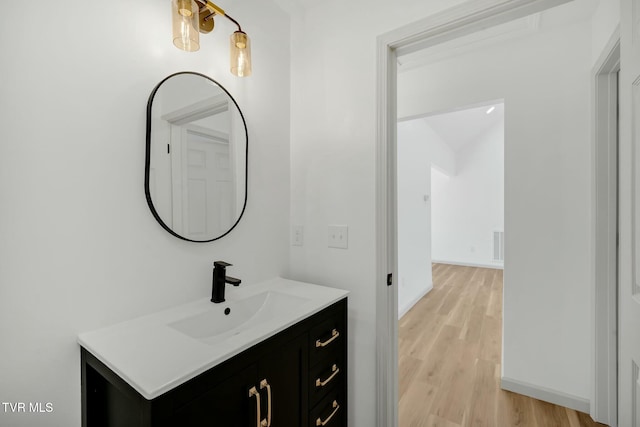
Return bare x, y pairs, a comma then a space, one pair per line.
449, 359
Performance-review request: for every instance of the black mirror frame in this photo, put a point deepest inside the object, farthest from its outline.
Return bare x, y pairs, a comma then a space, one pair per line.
147, 164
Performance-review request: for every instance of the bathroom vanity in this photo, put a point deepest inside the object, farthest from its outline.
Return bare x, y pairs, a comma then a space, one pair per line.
273, 354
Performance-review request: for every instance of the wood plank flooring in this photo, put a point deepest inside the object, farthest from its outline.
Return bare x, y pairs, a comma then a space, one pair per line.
449, 359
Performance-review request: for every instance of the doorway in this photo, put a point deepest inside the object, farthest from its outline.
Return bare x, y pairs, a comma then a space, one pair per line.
433, 30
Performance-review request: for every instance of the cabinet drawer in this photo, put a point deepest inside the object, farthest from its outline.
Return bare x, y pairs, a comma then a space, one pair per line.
325, 377
330, 412
326, 340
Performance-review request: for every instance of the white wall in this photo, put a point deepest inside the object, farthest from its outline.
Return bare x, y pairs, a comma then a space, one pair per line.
79, 248
606, 19
333, 119
544, 80
419, 149
468, 207
414, 215
441, 155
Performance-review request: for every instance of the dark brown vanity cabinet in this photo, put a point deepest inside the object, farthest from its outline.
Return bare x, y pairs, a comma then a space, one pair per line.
295, 378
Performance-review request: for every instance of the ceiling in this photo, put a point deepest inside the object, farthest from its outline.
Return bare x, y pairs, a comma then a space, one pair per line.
462, 127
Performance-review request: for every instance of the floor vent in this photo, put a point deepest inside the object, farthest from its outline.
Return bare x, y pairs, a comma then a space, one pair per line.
498, 246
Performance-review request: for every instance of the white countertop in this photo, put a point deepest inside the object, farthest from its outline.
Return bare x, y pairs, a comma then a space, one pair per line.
154, 357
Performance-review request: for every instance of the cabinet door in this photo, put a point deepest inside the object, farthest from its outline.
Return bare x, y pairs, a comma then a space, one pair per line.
228, 404
282, 369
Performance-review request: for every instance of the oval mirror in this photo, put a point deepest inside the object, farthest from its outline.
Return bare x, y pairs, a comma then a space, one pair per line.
196, 157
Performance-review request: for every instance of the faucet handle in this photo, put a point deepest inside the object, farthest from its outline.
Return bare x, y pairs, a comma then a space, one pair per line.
221, 264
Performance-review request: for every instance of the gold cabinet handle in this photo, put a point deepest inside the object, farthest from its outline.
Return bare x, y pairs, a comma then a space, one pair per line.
256, 393
335, 371
334, 334
319, 421
265, 384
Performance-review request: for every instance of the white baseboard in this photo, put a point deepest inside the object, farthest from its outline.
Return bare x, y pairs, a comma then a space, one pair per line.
406, 307
543, 393
470, 264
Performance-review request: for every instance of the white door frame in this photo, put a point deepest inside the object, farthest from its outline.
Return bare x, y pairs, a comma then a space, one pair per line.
451, 23
604, 233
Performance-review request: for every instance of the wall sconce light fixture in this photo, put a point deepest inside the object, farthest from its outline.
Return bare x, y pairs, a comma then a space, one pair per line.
192, 17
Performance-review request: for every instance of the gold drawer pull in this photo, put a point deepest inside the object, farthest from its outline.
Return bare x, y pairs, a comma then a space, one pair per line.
334, 334
319, 422
265, 384
254, 392
335, 371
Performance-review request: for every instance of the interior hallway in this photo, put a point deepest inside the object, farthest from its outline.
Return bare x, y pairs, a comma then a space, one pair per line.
449, 359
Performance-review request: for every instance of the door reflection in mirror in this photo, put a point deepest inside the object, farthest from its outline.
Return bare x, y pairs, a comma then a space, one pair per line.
196, 166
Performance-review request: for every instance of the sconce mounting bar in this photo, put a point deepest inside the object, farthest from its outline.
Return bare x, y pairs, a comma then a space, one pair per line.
214, 9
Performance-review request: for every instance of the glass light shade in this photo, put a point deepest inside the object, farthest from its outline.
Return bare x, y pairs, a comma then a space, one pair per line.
185, 25
240, 54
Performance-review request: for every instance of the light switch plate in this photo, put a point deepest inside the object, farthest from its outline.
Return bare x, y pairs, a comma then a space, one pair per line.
339, 236
297, 235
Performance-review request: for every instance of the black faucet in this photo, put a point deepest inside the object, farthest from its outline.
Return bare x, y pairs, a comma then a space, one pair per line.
219, 279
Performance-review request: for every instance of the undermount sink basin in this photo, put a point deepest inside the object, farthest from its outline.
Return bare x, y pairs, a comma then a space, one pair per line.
232, 317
